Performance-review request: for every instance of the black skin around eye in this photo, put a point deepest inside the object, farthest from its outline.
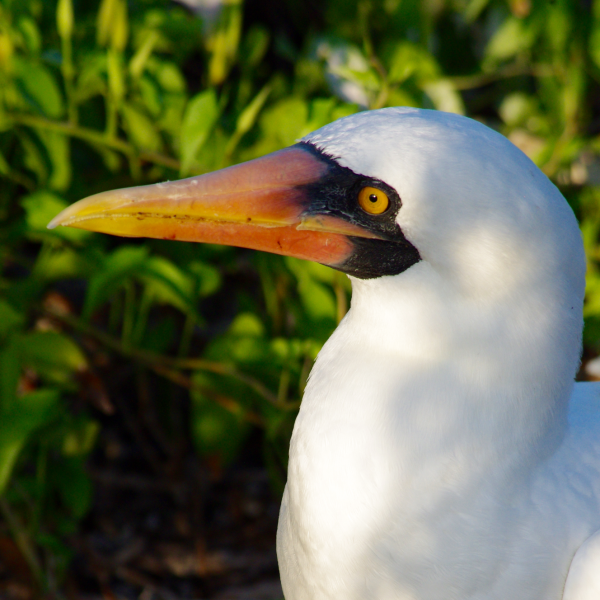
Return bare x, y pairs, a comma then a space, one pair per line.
336, 194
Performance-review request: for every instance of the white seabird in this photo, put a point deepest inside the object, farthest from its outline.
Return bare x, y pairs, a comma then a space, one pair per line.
442, 450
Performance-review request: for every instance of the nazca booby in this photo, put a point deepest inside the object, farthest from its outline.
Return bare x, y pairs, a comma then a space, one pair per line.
442, 450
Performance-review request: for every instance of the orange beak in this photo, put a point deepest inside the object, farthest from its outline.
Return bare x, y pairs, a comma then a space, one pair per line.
264, 204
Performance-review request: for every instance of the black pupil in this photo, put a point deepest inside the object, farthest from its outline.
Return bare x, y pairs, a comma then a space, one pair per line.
373, 198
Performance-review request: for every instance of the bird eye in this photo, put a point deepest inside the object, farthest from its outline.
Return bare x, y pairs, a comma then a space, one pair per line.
373, 201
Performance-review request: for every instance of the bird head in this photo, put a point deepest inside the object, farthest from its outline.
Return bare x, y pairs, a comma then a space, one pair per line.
371, 195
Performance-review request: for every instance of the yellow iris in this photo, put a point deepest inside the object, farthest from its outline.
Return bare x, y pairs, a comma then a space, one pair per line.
373, 201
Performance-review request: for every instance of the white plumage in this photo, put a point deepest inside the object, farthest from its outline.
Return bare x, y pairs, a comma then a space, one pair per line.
442, 450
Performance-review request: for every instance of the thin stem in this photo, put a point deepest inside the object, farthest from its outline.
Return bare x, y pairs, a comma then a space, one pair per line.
469, 82
169, 366
68, 73
228, 403
22, 541
95, 138
186, 335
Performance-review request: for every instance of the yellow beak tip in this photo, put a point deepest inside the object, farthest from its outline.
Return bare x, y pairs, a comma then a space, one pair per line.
54, 223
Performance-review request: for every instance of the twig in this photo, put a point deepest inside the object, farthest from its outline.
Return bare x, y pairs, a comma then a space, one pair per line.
225, 401
23, 542
469, 82
95, 137
166, 365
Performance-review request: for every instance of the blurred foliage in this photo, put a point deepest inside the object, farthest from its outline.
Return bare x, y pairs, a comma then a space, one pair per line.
110, 93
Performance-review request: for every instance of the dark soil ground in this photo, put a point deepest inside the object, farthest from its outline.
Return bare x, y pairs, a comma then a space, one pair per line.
201, 535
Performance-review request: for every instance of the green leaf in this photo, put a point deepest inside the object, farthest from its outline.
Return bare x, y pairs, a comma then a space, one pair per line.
91, 77
248, 116
74, 485
40, 208
10, 371
169, 284
216, 431
117, 268
138, 62
34, 159
58, 149
208, 278
58, 262
317, 299
25, 416
594, 44
31, 34
512, 37
444, 96
80, 439
53, 355
516, 108
4, 166
224, 40
38, 86
247, 325
200, 117
410, 60
10, 319
141, 129
151, 95
116, 74
255, 46
244, 342
167, 74
64, 18
285, 121
112, 24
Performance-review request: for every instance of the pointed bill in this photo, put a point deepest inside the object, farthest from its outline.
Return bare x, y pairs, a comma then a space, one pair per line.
262, 204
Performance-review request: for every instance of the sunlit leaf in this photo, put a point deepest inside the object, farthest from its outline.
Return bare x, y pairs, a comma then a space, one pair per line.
151, 95
208, 278
317, 299
445, 96
53, 355
112, 24
285, 121
31, 34
141, 129
248, 325
64, 18
139, 60
116, 74
224, 40
512, 37
40, 208
167, 74
411, 60
199, 119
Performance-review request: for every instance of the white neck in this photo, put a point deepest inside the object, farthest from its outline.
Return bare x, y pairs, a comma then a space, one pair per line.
412, 400
431, 362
